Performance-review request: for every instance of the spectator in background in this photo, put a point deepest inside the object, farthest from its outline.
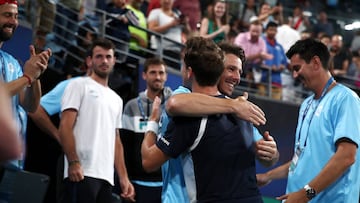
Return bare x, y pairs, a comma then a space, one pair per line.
170, 23
44, 13
74, 60
306, 34
138, 38
286, 35
191, 9
66, 21
135, 119
247, 10
266, 13
341, 57
88, 13
323, 25
278, 13
354, 69
298, 21
255, 50
275, 65
117, 26
355, 43
215, 26
325, 39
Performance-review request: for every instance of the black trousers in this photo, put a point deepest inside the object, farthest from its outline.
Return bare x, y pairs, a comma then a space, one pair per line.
89, 190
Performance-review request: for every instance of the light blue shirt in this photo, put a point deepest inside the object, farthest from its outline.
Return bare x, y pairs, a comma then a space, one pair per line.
174, 189
336, 116
51, 101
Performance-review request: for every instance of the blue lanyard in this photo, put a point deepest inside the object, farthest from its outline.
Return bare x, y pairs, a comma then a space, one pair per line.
329, 82
141, 108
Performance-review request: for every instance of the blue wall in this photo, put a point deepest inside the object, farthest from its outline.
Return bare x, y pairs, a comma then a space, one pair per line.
18, 45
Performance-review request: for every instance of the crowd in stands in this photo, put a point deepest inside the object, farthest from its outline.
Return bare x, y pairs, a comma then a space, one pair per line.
142, 28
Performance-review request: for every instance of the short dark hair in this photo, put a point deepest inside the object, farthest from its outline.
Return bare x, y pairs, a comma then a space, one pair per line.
152, 61
103, 43
308, 48
206, 60
271, 24
233, 49
325, 36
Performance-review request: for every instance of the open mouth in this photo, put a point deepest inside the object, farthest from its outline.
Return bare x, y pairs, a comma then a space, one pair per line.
8, 29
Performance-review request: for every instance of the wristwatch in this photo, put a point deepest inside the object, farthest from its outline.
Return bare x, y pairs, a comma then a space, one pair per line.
310, 192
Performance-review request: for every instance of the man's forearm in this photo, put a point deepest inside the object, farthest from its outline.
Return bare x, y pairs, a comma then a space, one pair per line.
336, 166
42, 120
32, 95
119, 158
146, 156
16, 86
67, 136
195, 104
68, 145
280, 172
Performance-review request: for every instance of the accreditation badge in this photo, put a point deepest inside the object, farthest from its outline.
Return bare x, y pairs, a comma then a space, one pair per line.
140, 124
295, 158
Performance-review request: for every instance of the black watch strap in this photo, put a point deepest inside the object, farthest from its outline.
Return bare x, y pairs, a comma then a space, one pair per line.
310, 192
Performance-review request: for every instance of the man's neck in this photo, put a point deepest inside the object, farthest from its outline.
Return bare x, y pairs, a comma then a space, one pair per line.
208, 90
324, 80
100, 80
152, 94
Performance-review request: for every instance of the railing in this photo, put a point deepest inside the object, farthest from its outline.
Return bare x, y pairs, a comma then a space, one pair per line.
57, 61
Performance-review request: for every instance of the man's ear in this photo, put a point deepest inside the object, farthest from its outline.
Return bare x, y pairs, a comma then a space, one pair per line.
317, 63
189, 72
88, 62
144, 75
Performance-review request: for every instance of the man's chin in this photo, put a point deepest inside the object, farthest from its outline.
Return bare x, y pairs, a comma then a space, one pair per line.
5, 37
227, 92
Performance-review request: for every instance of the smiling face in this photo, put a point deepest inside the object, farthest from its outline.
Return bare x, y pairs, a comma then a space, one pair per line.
8, 21
155, 77
231, 75
219, 9
302, 71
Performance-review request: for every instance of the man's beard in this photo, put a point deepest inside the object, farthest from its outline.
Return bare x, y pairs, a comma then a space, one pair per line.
103, 75
4, 36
